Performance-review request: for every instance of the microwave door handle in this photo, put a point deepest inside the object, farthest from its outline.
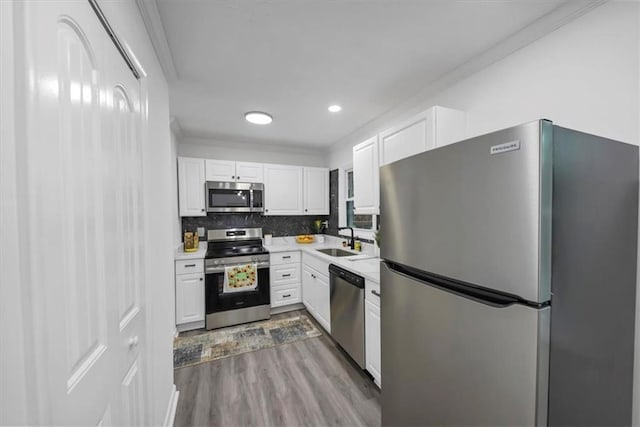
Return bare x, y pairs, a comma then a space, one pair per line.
251, 208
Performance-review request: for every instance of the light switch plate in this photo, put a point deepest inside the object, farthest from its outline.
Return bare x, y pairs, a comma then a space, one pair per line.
200, 231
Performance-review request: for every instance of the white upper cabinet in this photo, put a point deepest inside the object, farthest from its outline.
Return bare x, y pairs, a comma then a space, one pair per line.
366, 177
229, 170
435, 127
406, 139
283, 190
249, 172
220, 170
316, 191
191, 193
450, 126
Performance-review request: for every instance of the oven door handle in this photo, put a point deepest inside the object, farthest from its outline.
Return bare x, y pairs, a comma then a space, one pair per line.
251, 208
220, 268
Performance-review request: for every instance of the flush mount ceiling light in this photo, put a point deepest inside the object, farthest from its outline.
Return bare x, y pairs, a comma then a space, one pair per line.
334, 108
258, 118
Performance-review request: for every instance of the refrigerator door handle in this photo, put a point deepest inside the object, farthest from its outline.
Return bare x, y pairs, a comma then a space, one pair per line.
464, 289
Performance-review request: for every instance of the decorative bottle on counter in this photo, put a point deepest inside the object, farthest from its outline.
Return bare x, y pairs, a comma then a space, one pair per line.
190, 241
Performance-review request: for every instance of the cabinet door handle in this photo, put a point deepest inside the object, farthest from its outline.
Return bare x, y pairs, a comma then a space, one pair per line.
201, 210
306, 210
190, 265
233, 177
286, 296
313, 275
286, 257
286, 275
375, 293
238, 178
201, 279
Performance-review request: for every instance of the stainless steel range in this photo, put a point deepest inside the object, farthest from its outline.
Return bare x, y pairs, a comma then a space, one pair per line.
229, 250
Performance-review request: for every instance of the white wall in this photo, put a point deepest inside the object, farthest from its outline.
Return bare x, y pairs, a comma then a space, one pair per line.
585, 75
175, 212
125, 18
261, 153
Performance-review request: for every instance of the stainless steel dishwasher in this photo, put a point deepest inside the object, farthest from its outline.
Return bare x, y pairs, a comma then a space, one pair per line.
347, 312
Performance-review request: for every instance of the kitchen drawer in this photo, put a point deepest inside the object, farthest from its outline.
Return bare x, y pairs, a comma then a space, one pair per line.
371, 287
188, 266
284, 257
285, 296
318, 264
285, 274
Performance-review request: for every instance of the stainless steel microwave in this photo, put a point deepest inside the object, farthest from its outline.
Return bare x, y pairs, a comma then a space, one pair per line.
231, 197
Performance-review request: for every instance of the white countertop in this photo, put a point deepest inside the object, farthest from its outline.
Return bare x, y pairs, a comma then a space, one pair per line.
199, 254
364, 264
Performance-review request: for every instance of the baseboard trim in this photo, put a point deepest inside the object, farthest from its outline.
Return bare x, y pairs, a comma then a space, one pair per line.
170, 417
292, 307
190, 326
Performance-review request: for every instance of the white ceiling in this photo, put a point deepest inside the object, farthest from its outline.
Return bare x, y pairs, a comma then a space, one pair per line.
293, 58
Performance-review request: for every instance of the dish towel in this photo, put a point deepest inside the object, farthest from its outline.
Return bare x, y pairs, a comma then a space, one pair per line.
240, 278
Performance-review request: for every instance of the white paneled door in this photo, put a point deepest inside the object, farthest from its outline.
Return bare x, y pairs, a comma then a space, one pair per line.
83, 179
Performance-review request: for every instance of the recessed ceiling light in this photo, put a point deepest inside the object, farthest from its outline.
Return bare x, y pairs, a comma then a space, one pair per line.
334, 108
258, 118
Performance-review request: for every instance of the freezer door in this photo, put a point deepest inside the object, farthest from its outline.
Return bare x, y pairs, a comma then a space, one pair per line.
477, 211
452, 361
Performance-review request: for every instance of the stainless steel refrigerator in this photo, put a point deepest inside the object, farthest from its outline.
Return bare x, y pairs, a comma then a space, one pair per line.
508, 281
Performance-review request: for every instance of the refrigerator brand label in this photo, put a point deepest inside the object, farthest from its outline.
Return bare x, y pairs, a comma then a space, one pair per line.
503, 148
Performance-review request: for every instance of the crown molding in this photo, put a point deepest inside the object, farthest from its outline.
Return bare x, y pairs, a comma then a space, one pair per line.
155, 29
546, 24
250, 144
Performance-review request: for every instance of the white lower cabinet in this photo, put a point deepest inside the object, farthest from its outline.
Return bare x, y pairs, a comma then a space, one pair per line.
284, 278
372, 331
308, 289
323, 309
189, 299
285, 296
372, 340
315, 289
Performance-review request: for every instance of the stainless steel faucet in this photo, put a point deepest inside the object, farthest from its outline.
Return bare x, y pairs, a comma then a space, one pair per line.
352, 243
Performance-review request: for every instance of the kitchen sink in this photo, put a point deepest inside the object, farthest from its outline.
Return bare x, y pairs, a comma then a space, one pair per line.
336, 252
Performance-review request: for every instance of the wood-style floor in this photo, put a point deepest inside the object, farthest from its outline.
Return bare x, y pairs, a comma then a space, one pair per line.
306, 383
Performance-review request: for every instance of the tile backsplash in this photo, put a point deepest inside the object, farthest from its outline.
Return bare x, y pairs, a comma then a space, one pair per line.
333, 203
276, 225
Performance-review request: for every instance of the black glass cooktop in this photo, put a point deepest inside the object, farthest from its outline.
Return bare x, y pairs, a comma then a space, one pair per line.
230, 249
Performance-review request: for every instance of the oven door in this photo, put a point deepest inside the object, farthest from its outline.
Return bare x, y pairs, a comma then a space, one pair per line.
229, 196
217, 301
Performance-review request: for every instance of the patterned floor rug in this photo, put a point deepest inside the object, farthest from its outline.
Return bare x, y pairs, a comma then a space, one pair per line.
220, 343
